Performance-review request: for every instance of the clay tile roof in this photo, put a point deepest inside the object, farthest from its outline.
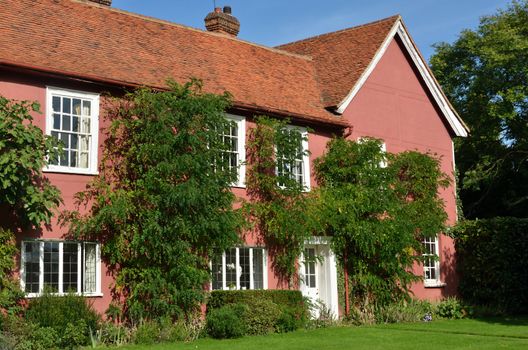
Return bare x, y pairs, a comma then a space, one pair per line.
351, 51
83, 39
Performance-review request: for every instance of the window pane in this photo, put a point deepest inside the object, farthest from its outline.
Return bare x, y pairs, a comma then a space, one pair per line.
70, 273
87, 108
66, 105
75, 124
216, 268
66, 125
90, 268
258, 268
31, 266
56, 121
51, 266
231, 276
76, 106
56, 104
244, 266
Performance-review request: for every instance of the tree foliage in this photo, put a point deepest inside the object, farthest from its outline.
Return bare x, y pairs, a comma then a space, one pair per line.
378, 215
162, 203
277, 206
26, 197
485, 75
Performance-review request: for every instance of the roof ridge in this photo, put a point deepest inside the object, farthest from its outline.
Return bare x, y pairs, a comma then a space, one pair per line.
394, 17
205, 32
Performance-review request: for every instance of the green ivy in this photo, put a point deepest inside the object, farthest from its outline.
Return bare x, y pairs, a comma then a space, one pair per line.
277, 206
161, 204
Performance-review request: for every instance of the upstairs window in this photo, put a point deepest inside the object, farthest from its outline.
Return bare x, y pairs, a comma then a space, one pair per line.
233, 158
60, 267
72, 118
293, 141
431, 263
240, 268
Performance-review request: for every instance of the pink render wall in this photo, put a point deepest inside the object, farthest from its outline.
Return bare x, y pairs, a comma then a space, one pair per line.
393, 105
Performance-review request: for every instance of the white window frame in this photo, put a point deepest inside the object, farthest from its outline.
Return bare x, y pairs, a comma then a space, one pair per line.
80, 266
239, 271
94, 125
436, 266
306, 156
241, 128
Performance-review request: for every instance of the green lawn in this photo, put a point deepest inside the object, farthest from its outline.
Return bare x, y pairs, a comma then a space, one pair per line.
504, 333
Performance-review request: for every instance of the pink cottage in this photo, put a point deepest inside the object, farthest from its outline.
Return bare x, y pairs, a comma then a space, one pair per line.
65, 53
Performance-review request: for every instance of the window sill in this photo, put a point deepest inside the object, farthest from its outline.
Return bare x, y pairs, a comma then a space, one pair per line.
38, 295
64, 170
435, 284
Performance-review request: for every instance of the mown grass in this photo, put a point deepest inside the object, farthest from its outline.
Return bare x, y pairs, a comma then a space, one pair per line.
492, 333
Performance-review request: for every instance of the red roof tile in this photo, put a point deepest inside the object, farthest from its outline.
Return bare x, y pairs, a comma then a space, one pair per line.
83, 39
351, 50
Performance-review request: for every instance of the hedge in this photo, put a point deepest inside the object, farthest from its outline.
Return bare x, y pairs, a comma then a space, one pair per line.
283, 298
491, 255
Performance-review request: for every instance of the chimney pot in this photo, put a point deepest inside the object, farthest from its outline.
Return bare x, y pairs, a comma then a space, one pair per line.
222, 21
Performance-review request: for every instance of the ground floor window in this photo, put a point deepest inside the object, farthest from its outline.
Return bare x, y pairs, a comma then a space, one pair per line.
60, 267
240, 268
431, 263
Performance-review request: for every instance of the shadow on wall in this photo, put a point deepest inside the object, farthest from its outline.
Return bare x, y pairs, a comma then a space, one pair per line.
449, 273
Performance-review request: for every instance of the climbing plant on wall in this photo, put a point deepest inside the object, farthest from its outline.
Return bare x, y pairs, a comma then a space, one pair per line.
377, 208
277, 204
162, 203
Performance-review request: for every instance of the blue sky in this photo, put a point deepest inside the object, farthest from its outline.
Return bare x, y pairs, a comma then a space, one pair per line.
274, 22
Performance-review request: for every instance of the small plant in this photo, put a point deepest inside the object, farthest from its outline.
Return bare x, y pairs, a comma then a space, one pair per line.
262, 317
411, 311
147, 333
322, 315
227, 322
452, 308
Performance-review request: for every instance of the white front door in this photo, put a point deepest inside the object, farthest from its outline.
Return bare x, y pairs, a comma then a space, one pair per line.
319, 275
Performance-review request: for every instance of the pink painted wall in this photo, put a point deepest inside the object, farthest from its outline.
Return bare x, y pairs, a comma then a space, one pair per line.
393, 105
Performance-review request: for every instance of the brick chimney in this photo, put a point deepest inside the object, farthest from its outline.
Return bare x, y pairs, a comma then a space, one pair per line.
222, 22
102, 2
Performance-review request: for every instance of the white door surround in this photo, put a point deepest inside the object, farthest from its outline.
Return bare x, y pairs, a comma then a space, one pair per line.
318, 274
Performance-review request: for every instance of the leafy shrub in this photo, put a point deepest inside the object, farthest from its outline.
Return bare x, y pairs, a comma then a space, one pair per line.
227, 321
452, 308
71, 316
488, 256
147, 333
413, 311
262, 317
289, 321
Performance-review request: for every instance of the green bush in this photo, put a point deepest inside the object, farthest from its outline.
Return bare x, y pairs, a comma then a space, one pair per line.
488, 256
452, 308
261, 317
412, 311
227, 322
279, 310
147, 333
71, 316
